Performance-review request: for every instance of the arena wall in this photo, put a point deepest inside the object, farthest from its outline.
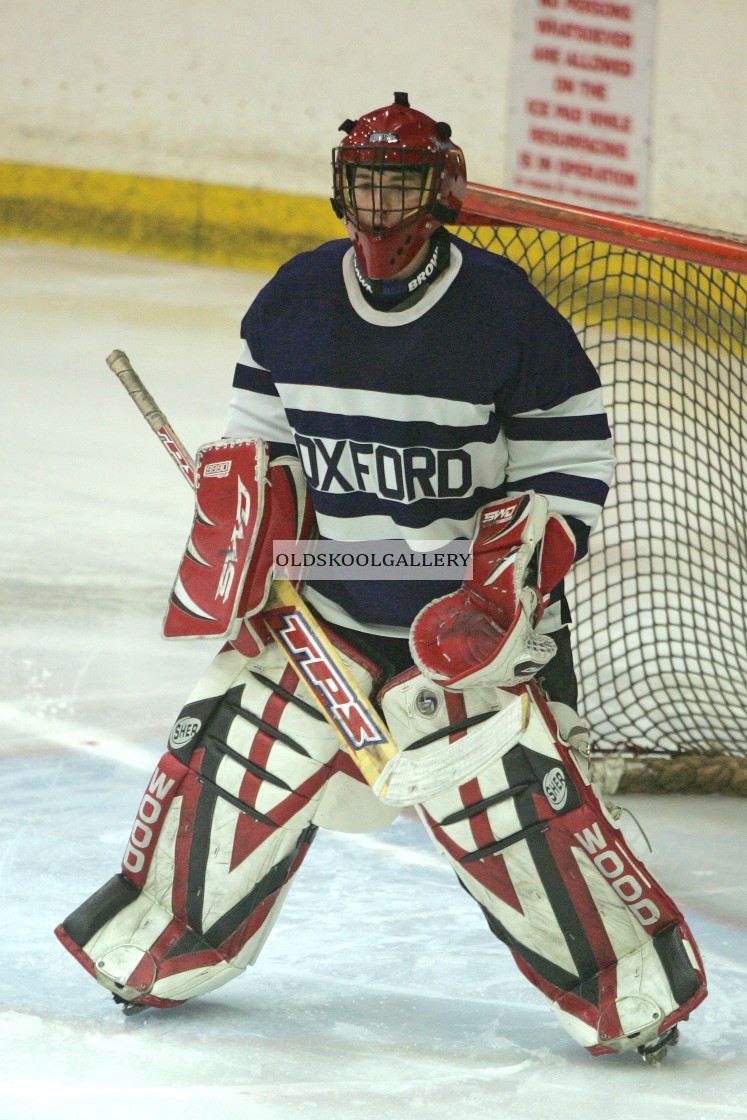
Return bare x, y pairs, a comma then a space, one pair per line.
203, 132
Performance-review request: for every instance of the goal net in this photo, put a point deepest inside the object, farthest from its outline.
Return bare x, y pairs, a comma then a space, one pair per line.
659, 605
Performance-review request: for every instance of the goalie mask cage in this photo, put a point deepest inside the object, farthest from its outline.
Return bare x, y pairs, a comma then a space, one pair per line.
659, 605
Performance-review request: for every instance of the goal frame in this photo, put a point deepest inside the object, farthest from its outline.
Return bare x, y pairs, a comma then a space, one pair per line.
486, 206
490, 206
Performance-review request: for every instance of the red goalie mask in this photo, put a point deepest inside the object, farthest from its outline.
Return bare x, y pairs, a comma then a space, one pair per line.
397, 179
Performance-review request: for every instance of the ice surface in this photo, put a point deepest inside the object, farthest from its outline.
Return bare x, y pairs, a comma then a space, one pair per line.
381, 993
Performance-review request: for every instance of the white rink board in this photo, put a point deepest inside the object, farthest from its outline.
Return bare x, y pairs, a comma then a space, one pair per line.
381, 993
251, 94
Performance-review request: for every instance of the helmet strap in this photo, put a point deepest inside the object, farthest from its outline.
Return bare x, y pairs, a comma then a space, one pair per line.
386, 295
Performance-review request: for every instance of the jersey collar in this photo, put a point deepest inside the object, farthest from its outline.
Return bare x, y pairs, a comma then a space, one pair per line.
398, 318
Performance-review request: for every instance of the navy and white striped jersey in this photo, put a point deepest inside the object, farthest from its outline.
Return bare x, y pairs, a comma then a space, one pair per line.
408, 422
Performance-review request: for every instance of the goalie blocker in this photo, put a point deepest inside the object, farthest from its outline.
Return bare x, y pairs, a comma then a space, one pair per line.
242, 504
252, 773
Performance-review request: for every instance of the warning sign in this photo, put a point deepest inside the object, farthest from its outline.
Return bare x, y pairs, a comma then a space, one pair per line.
580, 101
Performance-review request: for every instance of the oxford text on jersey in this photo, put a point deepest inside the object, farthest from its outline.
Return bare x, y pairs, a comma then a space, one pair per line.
401, 474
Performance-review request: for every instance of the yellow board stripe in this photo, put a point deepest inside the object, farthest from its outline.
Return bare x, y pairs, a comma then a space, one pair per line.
173, 218
244, 227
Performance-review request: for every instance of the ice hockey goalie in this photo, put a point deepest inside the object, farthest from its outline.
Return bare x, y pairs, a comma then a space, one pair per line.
252, 772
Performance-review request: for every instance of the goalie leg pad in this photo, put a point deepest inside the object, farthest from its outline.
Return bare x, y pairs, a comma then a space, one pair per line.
585, 920
223, 826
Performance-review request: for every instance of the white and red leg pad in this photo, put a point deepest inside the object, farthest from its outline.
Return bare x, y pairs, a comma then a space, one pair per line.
225, 822
585, 920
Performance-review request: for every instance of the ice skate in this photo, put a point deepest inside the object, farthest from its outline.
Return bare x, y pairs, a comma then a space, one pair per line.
654, 1053
128, 1007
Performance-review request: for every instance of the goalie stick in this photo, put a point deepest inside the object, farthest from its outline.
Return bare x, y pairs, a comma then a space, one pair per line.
397, 777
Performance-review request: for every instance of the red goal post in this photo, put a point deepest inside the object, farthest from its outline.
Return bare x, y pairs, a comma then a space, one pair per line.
660, 604
489, 206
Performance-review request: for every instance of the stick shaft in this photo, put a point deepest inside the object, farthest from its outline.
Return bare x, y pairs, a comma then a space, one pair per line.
119, 364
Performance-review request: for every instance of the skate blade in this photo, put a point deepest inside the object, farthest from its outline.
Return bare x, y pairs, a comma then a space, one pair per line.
128, 1008
655, 1052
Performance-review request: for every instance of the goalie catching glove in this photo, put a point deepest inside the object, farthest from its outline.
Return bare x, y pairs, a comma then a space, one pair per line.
242, 504
484, 634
